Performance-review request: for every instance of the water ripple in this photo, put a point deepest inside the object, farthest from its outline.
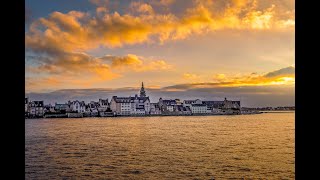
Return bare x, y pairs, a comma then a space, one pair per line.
207, 147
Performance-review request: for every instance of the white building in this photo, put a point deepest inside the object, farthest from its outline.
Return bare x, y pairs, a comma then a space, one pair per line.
140, 105
130, 105
77, 106
189, 103
121, 105
48, 108
167, 106
26, 103
137, 105
154, 108
36, 109
181, 110
198, 109
103, 105
93, 108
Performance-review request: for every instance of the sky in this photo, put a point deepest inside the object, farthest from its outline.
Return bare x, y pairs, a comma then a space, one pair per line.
206, 49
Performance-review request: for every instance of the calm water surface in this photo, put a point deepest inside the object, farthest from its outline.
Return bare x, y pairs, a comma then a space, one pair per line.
198, 147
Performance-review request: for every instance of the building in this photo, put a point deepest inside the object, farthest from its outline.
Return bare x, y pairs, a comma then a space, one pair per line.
189, 103
26, 102
198, 108
36, 109
235, 105
142, 91
93, 108
137, 105
130, 105
213, 106
104, 105
77, 106
181, 110
121, 105
26, 107
167, 105
140, 105
62, 107
154, 109
48, 108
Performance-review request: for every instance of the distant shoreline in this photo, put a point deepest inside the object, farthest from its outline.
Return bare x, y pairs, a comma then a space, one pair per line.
274, 111
165, 115
156, 115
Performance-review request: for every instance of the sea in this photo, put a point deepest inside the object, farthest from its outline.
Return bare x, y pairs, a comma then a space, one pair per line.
258, 146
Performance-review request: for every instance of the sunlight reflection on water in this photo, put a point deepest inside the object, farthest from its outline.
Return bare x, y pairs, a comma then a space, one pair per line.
203, 147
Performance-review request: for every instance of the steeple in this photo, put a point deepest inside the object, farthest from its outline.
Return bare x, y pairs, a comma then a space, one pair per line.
142, 91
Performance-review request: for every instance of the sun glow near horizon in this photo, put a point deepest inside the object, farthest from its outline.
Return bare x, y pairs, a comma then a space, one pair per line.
103, 44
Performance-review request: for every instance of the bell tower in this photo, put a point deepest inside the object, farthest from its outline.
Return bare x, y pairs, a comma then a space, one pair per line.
142, 91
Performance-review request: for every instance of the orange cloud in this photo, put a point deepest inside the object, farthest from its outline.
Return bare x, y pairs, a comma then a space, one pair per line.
136, 63
284, 76
58, 81
83, 31
141, 7
65, 69
63, 38
191, 77
220, 76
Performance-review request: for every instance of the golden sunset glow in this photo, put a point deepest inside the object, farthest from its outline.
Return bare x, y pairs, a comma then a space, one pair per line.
232, 43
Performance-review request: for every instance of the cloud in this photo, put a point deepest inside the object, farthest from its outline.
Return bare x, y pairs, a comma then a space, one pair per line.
106, 67
219, 76
61, 40
191, 77
166, 2
80, 69
81, 30
100, 2
73, 65
140, 7
288, 71
269, 89
284, 76
136, 63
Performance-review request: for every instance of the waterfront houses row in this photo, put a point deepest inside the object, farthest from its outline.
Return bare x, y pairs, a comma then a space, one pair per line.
138, 105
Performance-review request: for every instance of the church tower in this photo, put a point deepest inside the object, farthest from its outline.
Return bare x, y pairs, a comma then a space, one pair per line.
142, 91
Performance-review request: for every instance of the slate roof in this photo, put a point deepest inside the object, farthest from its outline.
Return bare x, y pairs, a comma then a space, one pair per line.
236, 102
61, 106
36, 103
169, 102
82, 103
104, 101
214, 104
182, 108
199, 105
94, 104
190, 101
129, 99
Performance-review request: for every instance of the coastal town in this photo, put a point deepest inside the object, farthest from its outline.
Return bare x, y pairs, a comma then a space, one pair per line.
137, 105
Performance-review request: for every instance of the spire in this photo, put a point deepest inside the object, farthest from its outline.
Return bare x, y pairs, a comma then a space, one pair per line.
142, 91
